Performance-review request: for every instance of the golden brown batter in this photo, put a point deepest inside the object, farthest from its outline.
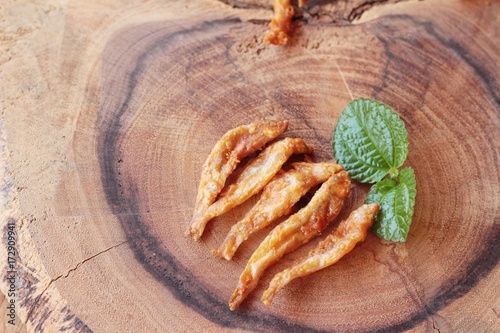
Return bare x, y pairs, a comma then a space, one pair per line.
277, 199
296, 231
235, 145
349, 233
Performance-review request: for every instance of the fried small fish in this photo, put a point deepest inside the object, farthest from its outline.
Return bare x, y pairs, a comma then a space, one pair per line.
277, 199
255, 175
296, 231
349, 232
281, 24
235, 145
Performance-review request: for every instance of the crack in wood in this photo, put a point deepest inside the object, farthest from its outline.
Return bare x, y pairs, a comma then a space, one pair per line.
249, 4
65, 275
358, 11
335, 11
435, 326
344, 80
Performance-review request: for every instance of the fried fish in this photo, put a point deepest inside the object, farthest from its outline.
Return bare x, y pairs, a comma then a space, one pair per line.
235, 145
296, 231
345, 237
255, 175
281, 24
277, 199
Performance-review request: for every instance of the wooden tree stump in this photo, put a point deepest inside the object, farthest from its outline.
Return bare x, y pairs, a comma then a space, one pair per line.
110, 109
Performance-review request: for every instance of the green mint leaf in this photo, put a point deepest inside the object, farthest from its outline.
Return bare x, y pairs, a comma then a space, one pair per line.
396, 200
370, 141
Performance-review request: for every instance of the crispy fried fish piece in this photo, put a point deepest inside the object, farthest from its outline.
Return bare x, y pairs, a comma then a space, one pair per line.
235, 145
277, 199
255, 175
297, 230
351, 231
281, 24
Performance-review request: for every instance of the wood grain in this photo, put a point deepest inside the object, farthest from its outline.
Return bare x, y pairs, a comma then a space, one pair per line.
109, 111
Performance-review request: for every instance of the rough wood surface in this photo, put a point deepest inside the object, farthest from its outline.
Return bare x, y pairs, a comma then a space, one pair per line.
109, 109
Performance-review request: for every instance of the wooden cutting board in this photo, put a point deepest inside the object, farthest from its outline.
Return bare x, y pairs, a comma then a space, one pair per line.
110, 109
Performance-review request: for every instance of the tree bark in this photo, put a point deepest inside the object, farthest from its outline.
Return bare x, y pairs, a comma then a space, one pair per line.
109, 110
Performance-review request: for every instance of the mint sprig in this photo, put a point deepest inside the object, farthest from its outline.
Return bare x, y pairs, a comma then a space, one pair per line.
397, 199
370, 141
